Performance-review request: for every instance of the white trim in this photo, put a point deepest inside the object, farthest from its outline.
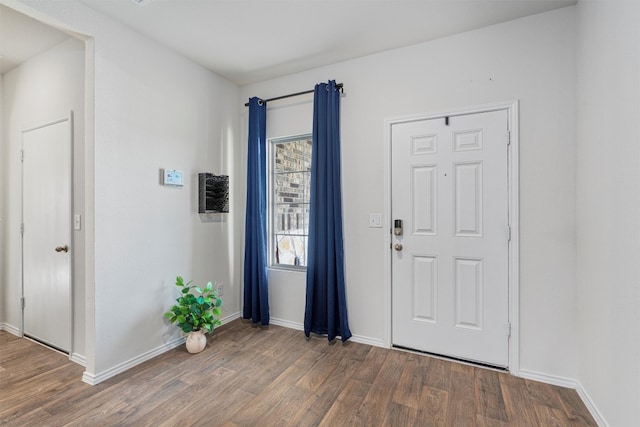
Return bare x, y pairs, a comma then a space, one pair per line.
568, 383
375, 342
548, 379
10, 328
93, 379
514, 214
287, 324
78, 358
513, 188
74, 357
271, 201
588, 402
230, 318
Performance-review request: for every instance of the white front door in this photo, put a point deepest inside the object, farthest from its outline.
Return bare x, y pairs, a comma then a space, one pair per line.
450, 291
46, 218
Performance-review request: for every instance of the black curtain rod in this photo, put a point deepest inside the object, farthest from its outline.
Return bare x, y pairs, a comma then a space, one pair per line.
338, 86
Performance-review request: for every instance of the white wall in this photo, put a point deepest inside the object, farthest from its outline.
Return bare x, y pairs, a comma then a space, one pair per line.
3, 215
531, 59
608, 207
153, 109
45, 88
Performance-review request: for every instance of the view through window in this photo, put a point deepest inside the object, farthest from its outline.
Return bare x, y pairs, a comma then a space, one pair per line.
290, 184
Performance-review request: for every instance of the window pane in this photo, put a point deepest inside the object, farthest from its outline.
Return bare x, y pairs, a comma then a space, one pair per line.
291, 250
289, 200
292, 187
292, 156
291, 219
306, 165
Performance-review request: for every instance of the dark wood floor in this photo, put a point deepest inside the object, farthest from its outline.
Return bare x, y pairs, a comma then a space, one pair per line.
275, 377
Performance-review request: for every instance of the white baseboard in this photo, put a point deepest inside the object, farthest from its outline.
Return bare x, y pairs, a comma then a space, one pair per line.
595, 413
93, 379
569, 383
78, 358
74, 357
300, 327
368, 340
230, 318
10, 328
548, 379
287, 324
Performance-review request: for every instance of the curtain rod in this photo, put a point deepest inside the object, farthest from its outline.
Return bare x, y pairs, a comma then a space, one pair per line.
338, 86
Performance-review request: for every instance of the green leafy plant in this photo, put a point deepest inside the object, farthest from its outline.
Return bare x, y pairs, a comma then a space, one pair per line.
196, 308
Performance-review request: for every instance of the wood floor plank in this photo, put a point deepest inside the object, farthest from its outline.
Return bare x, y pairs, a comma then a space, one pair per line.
484, 421
461, 406
517, 402
489, 401
409, 387
551, 417
438, 374
432, 410
346, 404
399, 415
371, 365
374, 406
159, 405
574, 408
319, 372
329, 391
249, 376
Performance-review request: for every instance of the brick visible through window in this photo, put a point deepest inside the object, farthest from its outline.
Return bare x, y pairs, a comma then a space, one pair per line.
289, 200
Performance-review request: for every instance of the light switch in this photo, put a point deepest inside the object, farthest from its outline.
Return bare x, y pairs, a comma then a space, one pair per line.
77, 222
375, 220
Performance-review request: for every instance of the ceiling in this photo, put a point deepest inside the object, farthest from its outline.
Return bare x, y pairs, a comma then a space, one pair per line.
22, 38
248, 41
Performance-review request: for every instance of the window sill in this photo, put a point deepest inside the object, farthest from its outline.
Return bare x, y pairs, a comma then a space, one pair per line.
288, 269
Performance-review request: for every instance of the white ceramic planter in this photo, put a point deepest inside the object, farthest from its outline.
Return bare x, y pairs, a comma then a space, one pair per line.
196, 341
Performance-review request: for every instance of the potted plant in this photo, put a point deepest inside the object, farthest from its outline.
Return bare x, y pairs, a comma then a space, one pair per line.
196, 313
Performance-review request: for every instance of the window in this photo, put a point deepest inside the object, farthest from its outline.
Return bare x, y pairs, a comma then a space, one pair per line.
289, 201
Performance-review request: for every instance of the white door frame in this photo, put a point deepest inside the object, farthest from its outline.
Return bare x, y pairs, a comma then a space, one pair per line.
69, 120
511, 107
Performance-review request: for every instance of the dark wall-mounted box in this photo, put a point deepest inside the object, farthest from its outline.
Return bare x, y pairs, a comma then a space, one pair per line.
213, 193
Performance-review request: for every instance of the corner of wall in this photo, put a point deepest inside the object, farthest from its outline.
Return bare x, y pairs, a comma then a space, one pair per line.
608, 209
3, 193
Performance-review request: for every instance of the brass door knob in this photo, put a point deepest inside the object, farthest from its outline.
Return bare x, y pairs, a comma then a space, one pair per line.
64, 249
398, 247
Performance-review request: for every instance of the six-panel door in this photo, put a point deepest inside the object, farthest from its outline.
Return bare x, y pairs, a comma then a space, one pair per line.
450, 278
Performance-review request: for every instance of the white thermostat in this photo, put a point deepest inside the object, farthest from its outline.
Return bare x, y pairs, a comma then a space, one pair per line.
173, 177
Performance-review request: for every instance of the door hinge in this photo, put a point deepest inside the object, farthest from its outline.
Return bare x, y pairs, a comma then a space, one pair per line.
509, 329
22, 155
509, 234
22, 229
508, 137
22, 302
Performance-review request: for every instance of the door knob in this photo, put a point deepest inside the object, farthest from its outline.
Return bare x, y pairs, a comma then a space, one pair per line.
398, 247
64, 248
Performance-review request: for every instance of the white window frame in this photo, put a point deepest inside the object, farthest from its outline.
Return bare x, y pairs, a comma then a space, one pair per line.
271, 143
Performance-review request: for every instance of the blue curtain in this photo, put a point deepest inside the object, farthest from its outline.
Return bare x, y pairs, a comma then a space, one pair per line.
326, 305
256, 291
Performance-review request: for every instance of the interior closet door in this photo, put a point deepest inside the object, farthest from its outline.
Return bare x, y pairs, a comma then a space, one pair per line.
46, 219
